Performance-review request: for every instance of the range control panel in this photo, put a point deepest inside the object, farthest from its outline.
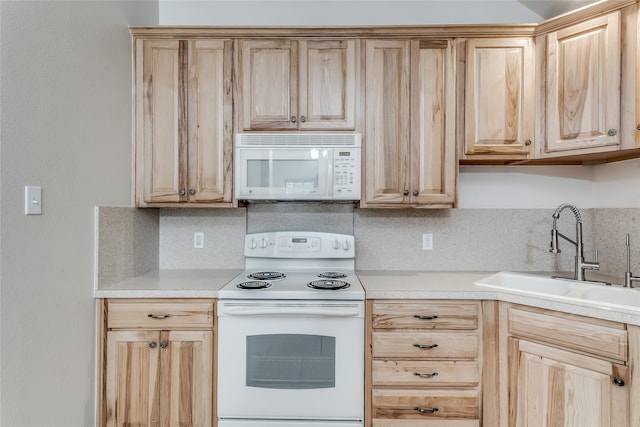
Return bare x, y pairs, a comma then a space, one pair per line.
304, 244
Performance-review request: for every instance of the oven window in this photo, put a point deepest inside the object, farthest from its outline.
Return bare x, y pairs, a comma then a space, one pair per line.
291, 361
297, 176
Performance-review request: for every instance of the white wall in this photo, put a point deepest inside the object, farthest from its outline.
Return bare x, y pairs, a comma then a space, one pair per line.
66, 126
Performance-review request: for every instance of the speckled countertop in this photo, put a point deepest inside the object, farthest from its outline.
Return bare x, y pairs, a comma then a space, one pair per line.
460, 285
171, 283
391, 284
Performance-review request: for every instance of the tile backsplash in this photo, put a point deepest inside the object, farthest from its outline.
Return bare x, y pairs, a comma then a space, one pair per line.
134, 240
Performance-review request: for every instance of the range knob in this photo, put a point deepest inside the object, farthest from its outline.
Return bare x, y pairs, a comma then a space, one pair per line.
263, 243
253, 244
346, 245
335, 244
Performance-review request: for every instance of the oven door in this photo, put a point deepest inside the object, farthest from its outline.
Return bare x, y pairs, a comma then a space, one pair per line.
291, 360
293, 173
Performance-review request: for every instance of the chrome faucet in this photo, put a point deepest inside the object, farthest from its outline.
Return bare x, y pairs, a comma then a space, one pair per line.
629, 278
580, 264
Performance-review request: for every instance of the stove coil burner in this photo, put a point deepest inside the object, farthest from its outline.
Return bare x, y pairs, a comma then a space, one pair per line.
328, 284
267, 275
332, 275
254, 284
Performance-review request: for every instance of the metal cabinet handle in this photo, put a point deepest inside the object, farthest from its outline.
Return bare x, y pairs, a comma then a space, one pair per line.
528, 142
153, 344
425, 346
638, 127
416, 193
293, 119
192, 192
303, 119
425, 410
405, 192
612, 132
425, 374
182, 192
163, 344
619, 382
421, 317
158, 316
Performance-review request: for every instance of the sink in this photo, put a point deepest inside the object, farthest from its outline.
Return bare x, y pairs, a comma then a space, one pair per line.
583, 293
527, 283
619, 297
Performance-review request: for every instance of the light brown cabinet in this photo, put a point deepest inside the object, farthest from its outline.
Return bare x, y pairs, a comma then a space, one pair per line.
499, 100
424, 363
158, 363
183, 122
410, 156
565, 370
288, 84
583, 72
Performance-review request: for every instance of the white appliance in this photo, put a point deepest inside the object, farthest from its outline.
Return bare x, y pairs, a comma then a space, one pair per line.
297, 166
291, 343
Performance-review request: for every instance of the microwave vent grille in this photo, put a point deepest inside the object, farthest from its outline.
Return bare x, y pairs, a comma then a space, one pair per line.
299, 139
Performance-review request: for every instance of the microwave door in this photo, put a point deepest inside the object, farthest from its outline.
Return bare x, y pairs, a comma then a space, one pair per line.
285, 173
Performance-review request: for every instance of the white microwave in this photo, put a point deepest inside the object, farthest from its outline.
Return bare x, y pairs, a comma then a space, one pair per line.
297, 166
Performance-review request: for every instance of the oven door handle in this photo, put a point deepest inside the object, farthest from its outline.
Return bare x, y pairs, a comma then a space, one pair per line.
289, 311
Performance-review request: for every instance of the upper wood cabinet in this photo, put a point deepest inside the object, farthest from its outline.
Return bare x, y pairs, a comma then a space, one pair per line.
183, 122
499, 104
410, 156
583, 71
298, 84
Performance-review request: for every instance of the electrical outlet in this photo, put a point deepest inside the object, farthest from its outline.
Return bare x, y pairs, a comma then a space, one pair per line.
198, 240
427, 242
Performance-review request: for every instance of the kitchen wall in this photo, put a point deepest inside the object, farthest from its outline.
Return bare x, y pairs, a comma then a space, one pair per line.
66, 126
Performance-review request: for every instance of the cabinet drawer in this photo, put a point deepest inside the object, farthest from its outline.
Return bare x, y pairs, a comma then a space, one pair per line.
425, 423
160, 314
425, 315
593, 336
416, 404
403, 373
425, 345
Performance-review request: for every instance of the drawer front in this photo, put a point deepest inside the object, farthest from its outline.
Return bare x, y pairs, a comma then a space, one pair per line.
426, 315
425, 404
583, 334
425, 423
160, 314
424, 345
419, 374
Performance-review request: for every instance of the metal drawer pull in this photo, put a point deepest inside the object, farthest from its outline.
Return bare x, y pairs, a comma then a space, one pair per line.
158, 316
425, 410
425, 346
153, 344
418, 316
425, 374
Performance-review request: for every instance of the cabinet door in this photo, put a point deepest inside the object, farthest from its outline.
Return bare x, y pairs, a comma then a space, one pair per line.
433, 148
583, 86
268, 84
187, 388
499, 98
387, 121
328, 84
552, 387
160, 121
209, 114
132, 378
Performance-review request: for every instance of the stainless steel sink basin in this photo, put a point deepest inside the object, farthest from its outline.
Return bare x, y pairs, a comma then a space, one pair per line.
583, 293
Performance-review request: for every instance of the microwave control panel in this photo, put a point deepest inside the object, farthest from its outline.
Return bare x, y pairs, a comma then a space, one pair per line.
346, 174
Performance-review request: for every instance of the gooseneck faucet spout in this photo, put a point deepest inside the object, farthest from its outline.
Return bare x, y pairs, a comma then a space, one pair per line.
580, 264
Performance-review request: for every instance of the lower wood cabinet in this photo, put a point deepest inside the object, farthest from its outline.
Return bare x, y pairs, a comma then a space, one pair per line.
157, 364
564, 370
424, 364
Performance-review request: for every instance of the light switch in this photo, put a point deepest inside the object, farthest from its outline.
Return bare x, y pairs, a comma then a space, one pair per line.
32, 200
